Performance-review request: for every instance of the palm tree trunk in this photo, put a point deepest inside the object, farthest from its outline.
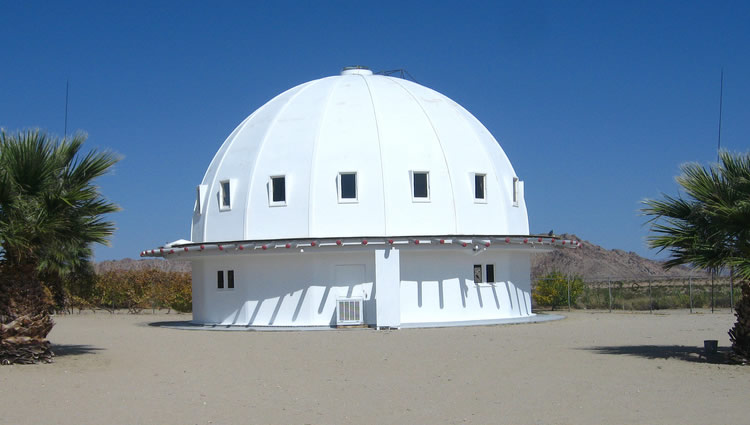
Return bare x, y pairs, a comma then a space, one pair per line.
25, 320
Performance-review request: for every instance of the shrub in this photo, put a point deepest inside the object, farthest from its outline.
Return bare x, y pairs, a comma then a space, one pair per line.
183, 295
552, 289
108, 292
740, 332
139, 289
173, 290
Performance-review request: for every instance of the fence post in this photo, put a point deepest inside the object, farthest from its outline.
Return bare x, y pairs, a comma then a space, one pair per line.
568, 293
690, 292
609, 286
650, 299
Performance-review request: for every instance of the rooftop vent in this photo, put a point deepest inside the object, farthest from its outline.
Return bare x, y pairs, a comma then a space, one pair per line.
356, 70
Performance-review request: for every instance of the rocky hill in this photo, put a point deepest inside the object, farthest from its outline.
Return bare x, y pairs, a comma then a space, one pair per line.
594, 262
591, 261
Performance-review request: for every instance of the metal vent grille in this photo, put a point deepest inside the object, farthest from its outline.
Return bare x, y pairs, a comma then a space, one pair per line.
349, 311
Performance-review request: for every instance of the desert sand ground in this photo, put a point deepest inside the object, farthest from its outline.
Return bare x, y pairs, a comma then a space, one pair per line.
590, 368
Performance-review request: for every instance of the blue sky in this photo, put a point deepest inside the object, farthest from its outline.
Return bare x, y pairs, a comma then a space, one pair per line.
595, 103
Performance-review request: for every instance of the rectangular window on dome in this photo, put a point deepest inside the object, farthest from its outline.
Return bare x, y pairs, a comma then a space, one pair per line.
226, 200
480, 189
348, 187
516, 189
477, 273
230, 279
220, 279
278, 191
420, 185
489, 273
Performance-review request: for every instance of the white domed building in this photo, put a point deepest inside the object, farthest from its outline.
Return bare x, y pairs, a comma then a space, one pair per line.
360, 198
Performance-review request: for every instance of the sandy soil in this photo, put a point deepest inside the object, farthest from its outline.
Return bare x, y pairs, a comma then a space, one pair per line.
590, 368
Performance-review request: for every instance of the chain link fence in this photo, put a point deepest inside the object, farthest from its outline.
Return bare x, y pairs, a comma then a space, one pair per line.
636, 294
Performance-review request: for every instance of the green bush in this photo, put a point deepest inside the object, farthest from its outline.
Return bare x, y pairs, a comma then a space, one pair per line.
139, 289
173, 291
552, 290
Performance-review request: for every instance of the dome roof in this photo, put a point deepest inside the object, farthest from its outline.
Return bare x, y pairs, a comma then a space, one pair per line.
358, 155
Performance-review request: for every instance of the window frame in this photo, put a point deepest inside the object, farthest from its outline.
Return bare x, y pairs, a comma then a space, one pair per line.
271, 191
487, 273
413, 187
483, 199
225, 280
481, 273
225, 194
516, 189
483, 270
230, 279
340, 188
220, 280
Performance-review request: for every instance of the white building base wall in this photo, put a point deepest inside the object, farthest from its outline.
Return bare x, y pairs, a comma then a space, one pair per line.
388, 288
420, 285
437, 286
289, 289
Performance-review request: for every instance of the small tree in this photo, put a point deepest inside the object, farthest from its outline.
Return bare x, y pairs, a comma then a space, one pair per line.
709, 228
50, 215
551, 290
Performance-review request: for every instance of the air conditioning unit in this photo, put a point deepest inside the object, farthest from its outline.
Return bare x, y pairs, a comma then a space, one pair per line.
349, 311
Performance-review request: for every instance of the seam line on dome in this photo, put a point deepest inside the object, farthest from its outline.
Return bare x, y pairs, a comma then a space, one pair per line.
231, 138
380, 154
310, 197
465, 114
440, 144
245, 231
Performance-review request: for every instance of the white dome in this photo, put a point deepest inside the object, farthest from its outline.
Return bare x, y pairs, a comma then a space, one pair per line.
385, 130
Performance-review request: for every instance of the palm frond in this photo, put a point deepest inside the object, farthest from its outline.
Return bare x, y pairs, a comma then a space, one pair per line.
50, 210
710, 228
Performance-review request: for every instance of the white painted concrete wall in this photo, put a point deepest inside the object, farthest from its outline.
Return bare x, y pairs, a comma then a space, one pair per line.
289, 289
200, 290
300, 289
438, 286
388, 288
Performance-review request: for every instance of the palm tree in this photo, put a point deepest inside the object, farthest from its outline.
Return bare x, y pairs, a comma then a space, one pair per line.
50, 215
710, 227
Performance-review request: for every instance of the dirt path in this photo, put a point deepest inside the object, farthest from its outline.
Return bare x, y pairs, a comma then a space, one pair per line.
590, 368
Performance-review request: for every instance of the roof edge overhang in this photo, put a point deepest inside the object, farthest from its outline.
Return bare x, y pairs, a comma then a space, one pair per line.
535, 243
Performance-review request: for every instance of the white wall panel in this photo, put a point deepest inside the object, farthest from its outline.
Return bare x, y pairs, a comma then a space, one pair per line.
438, 286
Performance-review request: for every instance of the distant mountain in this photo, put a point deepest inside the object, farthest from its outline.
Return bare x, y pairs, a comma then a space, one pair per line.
590, 261
594, 262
